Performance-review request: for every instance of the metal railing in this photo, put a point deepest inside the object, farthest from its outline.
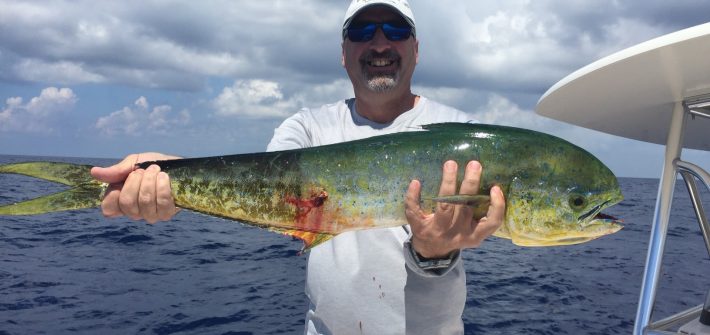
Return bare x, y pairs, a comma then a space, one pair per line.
673, 165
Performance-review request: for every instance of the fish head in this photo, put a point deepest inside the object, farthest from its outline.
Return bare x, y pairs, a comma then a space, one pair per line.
564, 207
543, 219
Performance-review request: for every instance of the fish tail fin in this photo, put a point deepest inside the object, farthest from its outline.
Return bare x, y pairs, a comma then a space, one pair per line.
85, 192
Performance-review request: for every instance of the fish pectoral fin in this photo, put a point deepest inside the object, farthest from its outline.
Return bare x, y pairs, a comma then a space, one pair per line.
310, 239
478, 202
464, 199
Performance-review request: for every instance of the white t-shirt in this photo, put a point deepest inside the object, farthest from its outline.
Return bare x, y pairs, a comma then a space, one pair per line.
365, 282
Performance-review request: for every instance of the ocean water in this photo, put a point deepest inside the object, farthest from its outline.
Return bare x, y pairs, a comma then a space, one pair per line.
79, 273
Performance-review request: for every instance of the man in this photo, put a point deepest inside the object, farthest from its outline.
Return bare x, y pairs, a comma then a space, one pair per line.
380, 281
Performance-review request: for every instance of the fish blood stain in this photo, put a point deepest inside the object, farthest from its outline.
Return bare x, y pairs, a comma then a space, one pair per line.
306, 216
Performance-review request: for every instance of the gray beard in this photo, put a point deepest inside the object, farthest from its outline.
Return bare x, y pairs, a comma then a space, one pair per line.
382, 83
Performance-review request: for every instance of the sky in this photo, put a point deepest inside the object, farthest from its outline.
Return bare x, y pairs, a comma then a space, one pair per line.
199, 78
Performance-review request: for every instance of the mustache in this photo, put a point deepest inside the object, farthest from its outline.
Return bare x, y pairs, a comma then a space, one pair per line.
389, 54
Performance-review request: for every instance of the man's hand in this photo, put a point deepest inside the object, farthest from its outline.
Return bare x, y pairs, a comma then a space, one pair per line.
137, 193
452, 227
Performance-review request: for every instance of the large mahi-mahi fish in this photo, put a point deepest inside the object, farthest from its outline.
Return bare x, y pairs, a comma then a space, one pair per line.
555, 191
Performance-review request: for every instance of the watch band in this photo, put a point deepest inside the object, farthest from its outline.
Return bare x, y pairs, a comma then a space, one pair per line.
432, 263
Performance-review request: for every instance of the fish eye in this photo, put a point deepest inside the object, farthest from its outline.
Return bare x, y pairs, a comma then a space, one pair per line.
577, 201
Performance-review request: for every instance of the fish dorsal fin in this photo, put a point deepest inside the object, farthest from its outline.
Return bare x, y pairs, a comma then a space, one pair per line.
310, 239
448, 126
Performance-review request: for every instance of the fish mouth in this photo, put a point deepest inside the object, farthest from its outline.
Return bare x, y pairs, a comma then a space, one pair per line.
600, 224
594, 212
595, 229
602, 216
592, 225
597, 217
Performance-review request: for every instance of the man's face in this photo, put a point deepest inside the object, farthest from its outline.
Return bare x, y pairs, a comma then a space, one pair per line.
380, 65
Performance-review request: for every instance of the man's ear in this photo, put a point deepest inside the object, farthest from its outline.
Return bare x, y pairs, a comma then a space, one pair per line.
416, 51
342, 54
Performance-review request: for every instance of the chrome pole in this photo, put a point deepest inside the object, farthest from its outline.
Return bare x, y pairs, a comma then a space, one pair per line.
689, 173
659, 229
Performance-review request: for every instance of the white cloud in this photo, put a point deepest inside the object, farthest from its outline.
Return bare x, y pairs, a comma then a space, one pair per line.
253, 98
500, 110
63, 72
517, 48
141, 119
324, 93
257, 98
38, 114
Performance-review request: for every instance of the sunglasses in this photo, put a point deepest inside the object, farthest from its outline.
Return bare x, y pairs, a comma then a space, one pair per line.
363, 32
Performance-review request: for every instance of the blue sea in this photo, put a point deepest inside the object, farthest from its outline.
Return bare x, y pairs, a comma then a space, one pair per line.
79, 273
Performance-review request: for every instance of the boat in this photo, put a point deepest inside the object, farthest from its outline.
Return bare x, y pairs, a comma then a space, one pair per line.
659, 92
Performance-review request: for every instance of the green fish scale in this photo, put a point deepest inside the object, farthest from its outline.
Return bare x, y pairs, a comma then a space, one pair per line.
246, 187
374, 173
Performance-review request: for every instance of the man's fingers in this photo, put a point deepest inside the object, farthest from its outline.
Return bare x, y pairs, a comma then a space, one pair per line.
411, 202
471, 178
492, 221
496, 211
448, 183
147, 195
144, 195
118, 172
115, 173
164, 200
109, 205
444, 214
137, 193
128, 199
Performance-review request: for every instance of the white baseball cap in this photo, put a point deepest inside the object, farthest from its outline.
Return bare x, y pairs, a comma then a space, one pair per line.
401, 6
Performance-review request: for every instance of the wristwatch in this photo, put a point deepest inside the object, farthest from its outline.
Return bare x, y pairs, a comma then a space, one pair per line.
432, 263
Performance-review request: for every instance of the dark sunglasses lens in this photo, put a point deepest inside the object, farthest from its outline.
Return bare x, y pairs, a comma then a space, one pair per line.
362, 33
396, 33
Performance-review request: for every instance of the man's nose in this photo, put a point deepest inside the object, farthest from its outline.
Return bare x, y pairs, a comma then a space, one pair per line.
379, 41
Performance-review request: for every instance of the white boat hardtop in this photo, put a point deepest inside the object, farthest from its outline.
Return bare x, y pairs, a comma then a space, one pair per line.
632, 93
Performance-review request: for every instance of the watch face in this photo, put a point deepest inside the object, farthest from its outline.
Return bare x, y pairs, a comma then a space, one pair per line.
432, 264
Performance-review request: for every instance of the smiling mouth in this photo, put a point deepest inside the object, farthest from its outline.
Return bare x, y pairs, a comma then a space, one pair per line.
381, 62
